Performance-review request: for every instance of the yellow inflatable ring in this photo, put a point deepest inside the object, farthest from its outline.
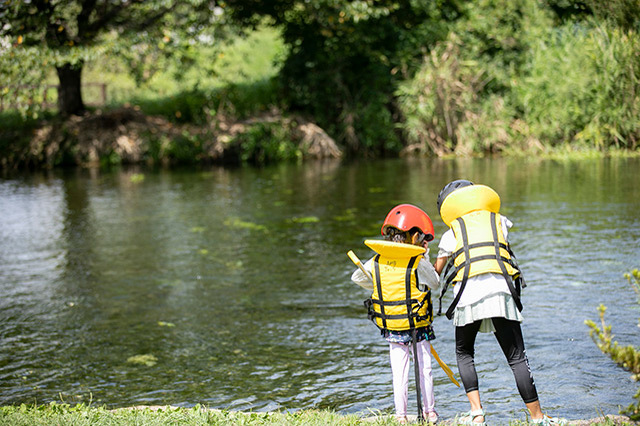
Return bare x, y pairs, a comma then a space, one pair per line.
394, 250
469, 199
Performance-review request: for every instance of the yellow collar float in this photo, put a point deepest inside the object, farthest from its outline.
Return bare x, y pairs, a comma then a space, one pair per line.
394, 250
468, 199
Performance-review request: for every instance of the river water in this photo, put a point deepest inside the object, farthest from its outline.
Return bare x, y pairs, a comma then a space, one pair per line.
230, 287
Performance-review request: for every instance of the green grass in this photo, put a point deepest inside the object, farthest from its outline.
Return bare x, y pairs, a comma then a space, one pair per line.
80, 415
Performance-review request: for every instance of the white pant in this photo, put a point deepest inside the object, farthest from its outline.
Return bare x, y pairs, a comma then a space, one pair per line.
399, 355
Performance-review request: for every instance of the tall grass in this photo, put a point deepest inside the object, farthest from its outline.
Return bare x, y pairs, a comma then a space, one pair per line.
537, 87
583, 87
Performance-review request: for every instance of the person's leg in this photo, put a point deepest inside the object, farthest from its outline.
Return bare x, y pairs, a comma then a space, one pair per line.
465, 352
426, 377
399, 356
509, 335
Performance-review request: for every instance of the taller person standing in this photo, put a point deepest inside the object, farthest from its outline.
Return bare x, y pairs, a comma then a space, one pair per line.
478, 262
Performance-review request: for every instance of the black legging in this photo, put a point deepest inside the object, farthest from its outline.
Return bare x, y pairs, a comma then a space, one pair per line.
509, 337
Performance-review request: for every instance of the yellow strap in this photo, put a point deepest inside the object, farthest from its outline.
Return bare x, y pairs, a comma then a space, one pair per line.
444, 366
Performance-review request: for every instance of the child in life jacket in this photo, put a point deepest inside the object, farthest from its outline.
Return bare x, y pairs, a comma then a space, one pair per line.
477, 259
401, 279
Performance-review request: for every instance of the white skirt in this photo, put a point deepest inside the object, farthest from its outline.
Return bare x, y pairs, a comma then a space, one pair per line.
496, 305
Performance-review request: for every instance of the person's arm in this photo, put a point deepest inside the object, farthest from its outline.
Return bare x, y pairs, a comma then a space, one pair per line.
361, 279
440, 263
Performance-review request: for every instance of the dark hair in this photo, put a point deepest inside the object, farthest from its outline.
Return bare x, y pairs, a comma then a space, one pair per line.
397, 236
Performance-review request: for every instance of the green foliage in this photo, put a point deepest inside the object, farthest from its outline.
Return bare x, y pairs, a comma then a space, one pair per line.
201, 106
443, 77
583, 87
622, 13
436, 101
71, 33
265, 143
345, 57
461, 100
508, 80
628, 357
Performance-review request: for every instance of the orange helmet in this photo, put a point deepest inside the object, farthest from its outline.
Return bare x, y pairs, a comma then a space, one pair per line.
406, 217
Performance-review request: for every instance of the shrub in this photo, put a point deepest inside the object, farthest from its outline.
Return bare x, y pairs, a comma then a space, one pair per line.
628, 357
582, 87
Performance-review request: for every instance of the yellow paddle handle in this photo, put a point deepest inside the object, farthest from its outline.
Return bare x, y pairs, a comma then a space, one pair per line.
359, 264
444, 366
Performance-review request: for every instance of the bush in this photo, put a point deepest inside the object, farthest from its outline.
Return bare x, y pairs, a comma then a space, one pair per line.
265, 143
583, 87
507, 79
628, 357
461, 100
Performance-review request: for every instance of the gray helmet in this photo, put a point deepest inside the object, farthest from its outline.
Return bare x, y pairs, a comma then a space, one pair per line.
449, 188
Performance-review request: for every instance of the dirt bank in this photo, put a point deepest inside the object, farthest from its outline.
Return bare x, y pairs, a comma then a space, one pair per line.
127, 136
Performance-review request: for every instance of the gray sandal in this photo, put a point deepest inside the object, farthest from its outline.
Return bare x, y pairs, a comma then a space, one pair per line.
470, 416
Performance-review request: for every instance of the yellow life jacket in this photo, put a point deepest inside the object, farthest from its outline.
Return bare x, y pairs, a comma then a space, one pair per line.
480, 249
396, 302
469, 199
475, 239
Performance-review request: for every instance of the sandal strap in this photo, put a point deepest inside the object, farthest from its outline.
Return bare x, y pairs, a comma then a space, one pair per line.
477, 413
471, 415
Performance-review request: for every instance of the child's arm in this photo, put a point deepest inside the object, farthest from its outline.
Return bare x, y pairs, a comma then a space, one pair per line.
440, 263
361, 279
446, 247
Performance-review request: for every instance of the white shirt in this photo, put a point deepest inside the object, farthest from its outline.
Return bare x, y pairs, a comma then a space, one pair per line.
427, 275
480, 286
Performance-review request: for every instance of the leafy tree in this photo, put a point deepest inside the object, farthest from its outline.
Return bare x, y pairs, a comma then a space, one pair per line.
628, 357
346, 56
67, 33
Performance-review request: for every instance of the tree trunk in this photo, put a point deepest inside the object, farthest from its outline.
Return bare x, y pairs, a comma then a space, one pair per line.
70, 90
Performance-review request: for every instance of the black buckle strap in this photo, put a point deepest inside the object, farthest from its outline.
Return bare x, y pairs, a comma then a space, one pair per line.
467, 268
515, 293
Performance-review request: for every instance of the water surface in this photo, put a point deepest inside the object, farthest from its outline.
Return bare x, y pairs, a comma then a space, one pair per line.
233, 284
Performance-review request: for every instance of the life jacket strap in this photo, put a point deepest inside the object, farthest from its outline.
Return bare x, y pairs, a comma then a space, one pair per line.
515, 291
467, 268
451, 272
394, 302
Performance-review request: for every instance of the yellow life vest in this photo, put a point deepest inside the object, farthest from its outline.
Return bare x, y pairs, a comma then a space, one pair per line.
469, 199
480, 249
475, 239
396, 302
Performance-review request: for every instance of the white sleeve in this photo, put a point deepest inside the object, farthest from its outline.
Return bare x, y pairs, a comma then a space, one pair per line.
427, 275
361, 279
447, 244
506, 224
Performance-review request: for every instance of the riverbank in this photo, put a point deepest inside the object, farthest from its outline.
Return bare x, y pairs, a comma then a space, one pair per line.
79, 415
105, 138
128, 136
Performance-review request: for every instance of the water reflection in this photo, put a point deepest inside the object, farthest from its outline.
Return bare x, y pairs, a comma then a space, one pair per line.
236, 284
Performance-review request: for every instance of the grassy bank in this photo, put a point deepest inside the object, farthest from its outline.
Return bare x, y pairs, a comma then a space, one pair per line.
79, 415
64, 414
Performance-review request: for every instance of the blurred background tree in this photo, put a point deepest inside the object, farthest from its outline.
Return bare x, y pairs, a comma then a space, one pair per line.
70, 33
381, 77
345, 57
